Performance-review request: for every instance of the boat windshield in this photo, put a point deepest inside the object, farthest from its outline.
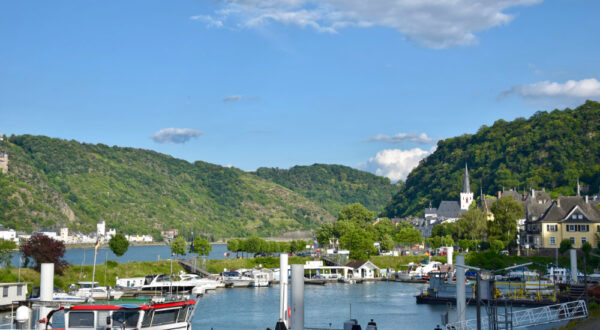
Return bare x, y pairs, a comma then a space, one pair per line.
125, 319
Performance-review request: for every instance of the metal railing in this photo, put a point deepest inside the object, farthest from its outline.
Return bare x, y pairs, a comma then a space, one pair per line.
533, 316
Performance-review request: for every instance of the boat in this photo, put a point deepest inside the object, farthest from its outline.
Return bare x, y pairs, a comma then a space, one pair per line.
260, 278
166, 283
202, 284
171, 313
236, 279
89, 289
58, 296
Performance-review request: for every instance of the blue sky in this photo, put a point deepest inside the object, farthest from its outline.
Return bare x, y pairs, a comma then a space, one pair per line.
251, 83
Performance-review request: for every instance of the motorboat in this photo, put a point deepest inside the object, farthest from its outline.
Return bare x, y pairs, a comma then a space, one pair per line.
58, 295
236, 279
89, 289
160, 313
260, 278
201, 283
166, 283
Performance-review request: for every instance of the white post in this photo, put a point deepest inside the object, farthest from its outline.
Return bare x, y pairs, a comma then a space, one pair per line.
461, 309
283, 287
450, 251
573, 253
46, 290
297, 297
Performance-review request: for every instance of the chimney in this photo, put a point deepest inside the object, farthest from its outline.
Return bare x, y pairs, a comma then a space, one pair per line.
499, 194
558, 201
532, 193
586, 199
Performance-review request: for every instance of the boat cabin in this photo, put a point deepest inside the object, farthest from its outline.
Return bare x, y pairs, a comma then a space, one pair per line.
169, 315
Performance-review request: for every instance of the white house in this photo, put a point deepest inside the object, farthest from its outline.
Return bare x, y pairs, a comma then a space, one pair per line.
101, 228
12, 292
363, 269
50, 233
64, 234
8, 234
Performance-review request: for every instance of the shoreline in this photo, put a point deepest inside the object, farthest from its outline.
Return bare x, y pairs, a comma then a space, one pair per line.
105, 245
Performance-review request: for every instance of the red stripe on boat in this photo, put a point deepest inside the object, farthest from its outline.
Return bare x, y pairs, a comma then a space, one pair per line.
144, 307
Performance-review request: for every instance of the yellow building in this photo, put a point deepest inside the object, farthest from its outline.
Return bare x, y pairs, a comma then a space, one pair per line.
575, 218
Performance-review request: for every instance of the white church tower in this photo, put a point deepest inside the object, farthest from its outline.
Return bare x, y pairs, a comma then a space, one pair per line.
466, 196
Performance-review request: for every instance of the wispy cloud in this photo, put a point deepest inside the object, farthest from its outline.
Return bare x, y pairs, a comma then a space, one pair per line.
175, 135
232, 98
401, 138
433, 23
208, 20
395, 164
579, 89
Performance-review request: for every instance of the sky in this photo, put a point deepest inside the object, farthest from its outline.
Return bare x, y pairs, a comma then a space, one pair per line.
277, 83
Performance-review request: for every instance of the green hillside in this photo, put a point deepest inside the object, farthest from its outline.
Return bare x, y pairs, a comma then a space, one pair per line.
549, 150
334, 186
54, 182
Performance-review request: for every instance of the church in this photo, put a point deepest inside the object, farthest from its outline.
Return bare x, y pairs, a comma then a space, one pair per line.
450, 211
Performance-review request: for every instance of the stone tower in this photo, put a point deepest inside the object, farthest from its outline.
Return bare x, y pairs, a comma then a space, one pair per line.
466, 196
3, 157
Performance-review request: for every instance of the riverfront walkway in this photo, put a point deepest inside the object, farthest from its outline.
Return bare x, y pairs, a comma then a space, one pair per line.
192, 266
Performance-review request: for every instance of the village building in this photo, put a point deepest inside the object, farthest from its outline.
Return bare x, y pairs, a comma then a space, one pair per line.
8, 234
575, 218
12, 293
363, 269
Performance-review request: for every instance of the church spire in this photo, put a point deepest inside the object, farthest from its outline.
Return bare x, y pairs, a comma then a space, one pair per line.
466, 184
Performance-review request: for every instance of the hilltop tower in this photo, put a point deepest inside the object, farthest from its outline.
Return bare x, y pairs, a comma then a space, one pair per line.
3, 156
466, 196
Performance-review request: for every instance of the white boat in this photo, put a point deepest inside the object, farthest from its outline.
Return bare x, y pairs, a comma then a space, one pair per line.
199, 282
166, 283
89, 289
259, 278
164, 314
235, 279
57, 296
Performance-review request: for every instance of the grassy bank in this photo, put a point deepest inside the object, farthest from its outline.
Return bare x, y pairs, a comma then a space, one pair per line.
217, 265
105, 274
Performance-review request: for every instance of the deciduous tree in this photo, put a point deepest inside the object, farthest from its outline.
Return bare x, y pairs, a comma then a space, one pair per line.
201, 246
43, 249
178, 246
118, 244
6, 249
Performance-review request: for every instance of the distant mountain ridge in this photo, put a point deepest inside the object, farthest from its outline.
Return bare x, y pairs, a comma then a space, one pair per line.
54, 182
549, 150
334, 186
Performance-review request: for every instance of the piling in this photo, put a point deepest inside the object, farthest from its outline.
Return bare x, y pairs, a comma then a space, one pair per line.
449, 252
297, 297
283, 288
461, 308
573, 254
46, 291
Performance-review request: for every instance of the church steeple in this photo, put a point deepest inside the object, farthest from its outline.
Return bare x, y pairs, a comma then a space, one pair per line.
466, 183
466, 196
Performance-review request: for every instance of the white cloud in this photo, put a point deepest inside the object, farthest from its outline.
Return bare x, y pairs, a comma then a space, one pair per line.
208, 20
433, 23
232, 98
395, 163
581, 89
401, 138
175, 135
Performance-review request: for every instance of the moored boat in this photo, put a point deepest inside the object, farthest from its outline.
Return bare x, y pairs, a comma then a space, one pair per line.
88, 289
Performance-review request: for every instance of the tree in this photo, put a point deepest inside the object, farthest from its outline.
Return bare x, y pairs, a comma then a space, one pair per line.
467, 244
6, 250
233, 245
118, 244
586, 248
43, 249
473, 225
409, 236
178, 246
359, 243
201, 246
386, 243
506, 212
496, 245
341, 227
565, 245
253, 244
443, 229
324, 234
357, 213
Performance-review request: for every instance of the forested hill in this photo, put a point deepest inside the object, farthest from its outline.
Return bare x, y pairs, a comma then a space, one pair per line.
549, 150
333, 186
54, 182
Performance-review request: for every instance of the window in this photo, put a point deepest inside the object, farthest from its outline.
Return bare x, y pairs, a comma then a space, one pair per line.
583, 240
81, 319
572, 240
552, 227
165, 317
598, 228
584, 228
19, 290
580, 216
574, 216
182, 314
128, 319
571, 227
552, 240
147, 319
4, 291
